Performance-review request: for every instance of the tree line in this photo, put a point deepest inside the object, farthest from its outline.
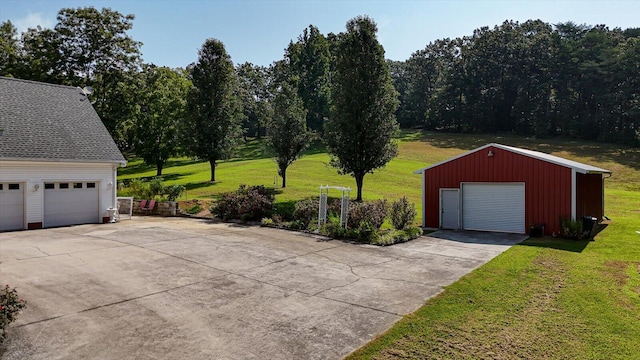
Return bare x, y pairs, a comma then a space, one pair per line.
529, 78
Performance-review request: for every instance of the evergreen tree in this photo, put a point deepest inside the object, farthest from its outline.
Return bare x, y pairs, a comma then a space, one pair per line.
212, 130
359, 133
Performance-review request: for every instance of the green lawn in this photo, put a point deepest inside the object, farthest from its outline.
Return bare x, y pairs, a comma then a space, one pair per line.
545, 298
303, 177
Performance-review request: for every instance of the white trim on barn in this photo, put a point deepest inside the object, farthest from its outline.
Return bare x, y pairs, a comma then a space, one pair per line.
573, 194
424, 204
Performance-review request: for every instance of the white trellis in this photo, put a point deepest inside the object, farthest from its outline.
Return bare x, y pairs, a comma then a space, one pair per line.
344, 204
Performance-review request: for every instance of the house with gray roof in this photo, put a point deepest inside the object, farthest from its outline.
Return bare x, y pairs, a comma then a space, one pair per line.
58, 162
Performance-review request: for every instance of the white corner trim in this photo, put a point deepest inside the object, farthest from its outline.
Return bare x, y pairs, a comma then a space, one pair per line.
573, 194
424, 206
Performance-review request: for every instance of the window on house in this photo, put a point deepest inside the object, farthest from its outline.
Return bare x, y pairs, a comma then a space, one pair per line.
14, 186
77, 185
91, 185
49, 185
0, 186
64, 185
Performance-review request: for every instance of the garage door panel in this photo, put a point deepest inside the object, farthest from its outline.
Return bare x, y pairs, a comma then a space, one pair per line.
69, 218
494, 207
11, 206
70, 206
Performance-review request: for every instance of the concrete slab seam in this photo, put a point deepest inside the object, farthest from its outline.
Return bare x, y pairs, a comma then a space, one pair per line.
121, 301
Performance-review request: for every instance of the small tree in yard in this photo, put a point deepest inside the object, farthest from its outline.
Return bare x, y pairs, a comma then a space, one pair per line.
287, 131
213, 129
402, 213
359, 132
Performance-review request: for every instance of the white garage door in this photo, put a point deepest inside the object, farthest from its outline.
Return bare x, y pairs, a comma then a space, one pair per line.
493, 207
11, 206
70, 203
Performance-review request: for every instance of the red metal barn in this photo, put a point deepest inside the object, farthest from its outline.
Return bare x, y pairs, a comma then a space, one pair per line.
503, 188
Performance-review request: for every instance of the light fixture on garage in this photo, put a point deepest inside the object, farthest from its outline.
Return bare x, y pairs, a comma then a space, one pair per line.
490, 154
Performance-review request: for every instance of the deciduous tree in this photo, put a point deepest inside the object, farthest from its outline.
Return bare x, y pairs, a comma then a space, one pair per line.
254, 92
309, 60
9, 48
288, 135
162, 107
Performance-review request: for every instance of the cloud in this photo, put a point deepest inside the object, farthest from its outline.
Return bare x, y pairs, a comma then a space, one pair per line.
32, 20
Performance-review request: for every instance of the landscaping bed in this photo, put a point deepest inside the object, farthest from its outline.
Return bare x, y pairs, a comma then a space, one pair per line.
373, 222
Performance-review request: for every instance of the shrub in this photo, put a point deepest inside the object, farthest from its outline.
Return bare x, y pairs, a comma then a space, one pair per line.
298, 225
333, 207
397, 236
137, 188
366, 232
173, 192
570, 229
334, 230
156, 188
306, 211
371, 214
284, 210
402, 213
10, 307
194, 209
247, 203
152, 189
267, 222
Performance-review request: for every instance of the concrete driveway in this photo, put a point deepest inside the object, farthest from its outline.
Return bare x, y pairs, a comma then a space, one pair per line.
173, 288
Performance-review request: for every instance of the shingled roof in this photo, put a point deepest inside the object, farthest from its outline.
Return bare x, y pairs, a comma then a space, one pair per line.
45, 122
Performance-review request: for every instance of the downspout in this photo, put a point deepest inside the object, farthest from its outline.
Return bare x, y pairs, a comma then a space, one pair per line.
114, 188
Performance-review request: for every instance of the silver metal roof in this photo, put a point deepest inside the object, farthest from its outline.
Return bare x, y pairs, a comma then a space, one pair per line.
579, 167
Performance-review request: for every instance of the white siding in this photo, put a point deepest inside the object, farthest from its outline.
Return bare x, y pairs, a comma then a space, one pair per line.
37, 173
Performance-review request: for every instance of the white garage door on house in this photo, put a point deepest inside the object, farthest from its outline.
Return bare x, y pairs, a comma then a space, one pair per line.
11, 206
70, 203
493, 207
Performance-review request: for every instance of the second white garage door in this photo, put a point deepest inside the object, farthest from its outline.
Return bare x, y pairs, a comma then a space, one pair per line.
493, 207
70, 203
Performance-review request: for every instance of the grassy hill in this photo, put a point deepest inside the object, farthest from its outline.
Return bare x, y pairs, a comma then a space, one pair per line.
543, 299
416, 150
